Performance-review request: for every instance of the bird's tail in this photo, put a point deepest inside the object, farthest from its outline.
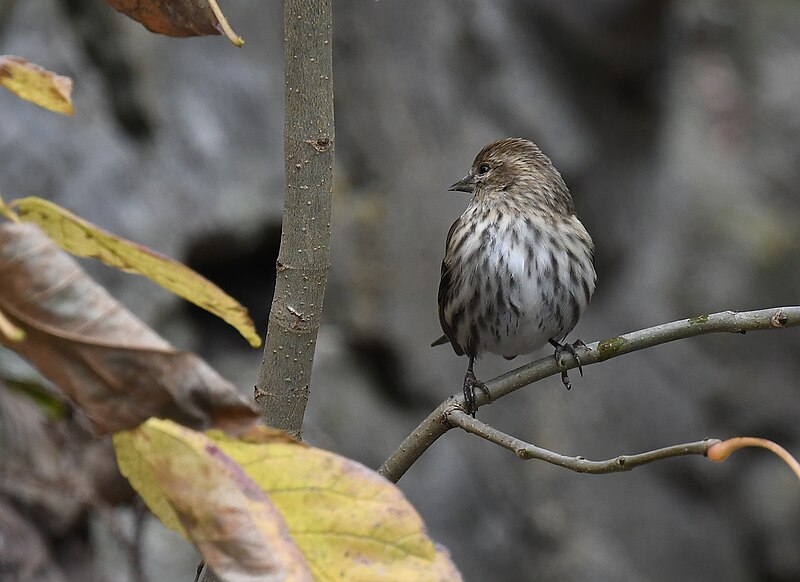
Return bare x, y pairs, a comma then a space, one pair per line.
441, 341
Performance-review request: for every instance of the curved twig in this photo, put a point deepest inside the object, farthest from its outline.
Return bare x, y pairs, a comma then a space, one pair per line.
528, 451
439, 421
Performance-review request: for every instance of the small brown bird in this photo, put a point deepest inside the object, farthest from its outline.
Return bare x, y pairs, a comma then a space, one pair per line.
518, 269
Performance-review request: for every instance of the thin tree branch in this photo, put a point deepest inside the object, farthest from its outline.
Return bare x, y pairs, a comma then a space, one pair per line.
526, 451
437, 423
304, 257
140, 514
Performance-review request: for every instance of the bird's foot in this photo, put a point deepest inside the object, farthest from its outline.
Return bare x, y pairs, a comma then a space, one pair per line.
570, 349
470, 384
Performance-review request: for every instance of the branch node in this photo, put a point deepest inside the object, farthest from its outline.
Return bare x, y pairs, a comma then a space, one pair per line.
708, 444
322, 144
779, 319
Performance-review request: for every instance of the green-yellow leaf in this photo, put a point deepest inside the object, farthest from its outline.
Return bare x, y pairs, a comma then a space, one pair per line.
7, 212
350, 523
35, 84
82, 238
206, 497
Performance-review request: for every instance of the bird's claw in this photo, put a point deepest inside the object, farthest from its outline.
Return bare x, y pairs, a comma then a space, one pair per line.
570, 349
470, 384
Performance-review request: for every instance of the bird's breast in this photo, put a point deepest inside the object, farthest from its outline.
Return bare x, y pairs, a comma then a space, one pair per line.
519, 281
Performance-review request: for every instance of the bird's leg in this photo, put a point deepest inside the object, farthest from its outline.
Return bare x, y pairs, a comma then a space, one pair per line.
470, 383
570, 349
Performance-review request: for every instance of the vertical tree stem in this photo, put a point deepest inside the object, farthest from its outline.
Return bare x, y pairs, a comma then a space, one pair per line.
304, 257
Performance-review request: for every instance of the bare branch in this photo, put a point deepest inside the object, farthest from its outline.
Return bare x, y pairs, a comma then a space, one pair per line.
304, 257
526, 451
438, 422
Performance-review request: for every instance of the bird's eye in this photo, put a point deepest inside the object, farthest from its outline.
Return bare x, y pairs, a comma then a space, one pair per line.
482, 169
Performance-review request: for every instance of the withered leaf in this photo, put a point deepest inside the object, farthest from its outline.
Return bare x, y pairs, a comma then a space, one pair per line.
349, 523
103, 357
211, 501
179, 18
35, 84
84, 239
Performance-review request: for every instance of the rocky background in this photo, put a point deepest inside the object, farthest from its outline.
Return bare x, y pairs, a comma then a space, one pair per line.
676, 125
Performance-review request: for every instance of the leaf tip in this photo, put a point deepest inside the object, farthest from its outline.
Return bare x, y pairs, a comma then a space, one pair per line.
10, 331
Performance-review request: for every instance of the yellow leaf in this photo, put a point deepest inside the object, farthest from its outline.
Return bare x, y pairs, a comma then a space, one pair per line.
7, 212
207, 498
82, 238
350, 524
35, 84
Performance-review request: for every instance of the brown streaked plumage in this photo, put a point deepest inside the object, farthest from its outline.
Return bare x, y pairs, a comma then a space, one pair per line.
518, 269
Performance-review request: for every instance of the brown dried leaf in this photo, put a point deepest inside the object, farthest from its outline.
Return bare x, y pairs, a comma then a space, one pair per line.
179, 18
108, 361
35, 84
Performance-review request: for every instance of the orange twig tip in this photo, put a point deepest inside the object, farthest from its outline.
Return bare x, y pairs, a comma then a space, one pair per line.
720, 451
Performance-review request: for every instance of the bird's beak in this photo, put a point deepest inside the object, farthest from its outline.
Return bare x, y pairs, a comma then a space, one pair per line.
465, 184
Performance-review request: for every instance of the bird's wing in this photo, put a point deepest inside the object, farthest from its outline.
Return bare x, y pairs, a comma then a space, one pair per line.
445, 289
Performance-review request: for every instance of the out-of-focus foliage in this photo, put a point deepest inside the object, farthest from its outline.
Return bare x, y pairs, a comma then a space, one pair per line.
346, 522
35, 84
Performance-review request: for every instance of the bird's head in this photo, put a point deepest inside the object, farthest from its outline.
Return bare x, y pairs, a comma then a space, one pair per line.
517, 167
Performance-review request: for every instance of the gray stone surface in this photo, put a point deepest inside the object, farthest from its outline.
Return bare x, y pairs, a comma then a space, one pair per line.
675, 124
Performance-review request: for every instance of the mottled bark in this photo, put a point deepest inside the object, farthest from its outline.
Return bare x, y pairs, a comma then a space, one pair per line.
283, 384
304, 257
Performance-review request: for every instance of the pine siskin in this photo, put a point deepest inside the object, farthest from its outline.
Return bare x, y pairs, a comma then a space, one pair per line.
518, 269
